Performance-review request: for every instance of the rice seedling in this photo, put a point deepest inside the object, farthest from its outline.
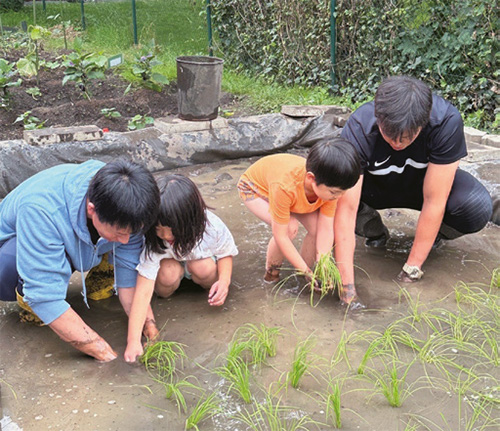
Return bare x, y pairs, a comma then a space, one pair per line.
259, 341
341, 351
495, 278
333, 411
237, 373
174, 390
206, 407
271, 416
325, 278
382, 345
301, 361
161, 359
392, 386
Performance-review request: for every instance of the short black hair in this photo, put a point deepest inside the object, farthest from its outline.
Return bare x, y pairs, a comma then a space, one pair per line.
183, 210
334, 163
402, 105
125, 194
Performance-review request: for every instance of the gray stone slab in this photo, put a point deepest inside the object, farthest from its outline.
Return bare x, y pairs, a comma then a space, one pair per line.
473, 135
53, 135
177, 125
491, 140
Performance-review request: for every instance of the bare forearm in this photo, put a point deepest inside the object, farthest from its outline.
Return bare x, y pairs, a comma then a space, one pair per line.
140, 308
71, 328
428, 226
291, 253
324, 236
225, 269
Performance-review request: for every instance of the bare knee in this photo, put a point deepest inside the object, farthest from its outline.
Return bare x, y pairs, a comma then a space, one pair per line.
169, 277
203, 271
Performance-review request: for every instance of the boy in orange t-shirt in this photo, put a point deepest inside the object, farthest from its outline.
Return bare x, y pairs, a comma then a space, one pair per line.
284, 189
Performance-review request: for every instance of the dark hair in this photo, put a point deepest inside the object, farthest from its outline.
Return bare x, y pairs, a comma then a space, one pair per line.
125, 194
402, 105
334, 163
182, 209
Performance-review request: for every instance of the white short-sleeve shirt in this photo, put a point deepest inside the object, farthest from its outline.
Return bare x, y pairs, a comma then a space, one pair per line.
217, 242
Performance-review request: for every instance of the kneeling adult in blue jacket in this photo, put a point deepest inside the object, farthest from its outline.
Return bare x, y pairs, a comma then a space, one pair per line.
65, 219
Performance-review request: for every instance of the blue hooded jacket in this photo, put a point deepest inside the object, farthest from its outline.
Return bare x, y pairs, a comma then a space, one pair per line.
47, 214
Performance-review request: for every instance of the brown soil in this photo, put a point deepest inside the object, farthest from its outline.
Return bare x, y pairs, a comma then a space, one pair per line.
62, 106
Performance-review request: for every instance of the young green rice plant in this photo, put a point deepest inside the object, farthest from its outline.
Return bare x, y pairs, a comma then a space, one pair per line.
270, 415
162, 359
341, 351
333, 405
383, 344
206, 407
236, 372
391, 383
495, 279
174, 390
259, 341
301, 361
325, 278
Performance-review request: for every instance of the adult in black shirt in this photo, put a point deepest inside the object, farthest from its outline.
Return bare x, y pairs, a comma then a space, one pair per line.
410, 143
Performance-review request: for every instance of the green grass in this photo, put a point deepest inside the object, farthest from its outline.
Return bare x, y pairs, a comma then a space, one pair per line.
179, 28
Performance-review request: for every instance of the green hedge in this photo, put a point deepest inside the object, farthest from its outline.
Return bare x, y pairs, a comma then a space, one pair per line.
14, 5
450, 44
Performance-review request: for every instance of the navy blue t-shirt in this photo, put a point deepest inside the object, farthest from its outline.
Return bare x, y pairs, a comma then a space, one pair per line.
441, 141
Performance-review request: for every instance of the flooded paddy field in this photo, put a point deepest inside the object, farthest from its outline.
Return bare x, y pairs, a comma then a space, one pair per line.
47, 385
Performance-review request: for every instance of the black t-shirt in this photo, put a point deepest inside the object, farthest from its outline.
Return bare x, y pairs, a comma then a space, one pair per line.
441, 141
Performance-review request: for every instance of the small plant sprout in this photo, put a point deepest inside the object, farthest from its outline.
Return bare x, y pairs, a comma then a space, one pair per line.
29, 121
33, 92
139, 122
110, 113
161, 359
7, 80
301, 361
495, 279
206, 407
237, 373
326, 276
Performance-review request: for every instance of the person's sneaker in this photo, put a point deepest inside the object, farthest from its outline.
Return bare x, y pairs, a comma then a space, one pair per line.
100, 281
379, 241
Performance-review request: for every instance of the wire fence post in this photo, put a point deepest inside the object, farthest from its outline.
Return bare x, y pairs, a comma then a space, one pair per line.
134, 22
209, 25
43, 4
83, 15
333, 37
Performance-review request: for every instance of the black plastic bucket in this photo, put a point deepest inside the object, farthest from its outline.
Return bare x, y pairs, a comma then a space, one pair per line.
198, 82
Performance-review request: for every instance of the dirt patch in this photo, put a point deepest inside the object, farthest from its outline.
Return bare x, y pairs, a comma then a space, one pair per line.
62, 106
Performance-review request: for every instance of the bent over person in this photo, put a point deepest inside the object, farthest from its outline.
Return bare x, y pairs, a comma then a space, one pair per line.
65, 219
410, 143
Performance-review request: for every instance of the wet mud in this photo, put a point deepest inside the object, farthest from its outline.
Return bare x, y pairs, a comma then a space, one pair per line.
47, 385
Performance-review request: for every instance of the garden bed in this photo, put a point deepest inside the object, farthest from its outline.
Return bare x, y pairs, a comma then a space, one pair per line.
62, 106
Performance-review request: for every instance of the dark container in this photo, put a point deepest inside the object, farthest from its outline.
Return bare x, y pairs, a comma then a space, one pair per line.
198, 87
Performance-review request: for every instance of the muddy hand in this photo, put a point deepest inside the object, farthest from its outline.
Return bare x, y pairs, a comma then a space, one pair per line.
150, 330
97, 348
349, 298
403, 277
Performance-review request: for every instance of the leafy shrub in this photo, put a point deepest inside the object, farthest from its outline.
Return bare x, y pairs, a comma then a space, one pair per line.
14, 5
451, 45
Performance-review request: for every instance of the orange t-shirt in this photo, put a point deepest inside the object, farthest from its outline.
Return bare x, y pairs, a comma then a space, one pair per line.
280, 178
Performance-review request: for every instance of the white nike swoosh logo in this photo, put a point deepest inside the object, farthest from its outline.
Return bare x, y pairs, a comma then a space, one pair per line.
399, 170
377, 164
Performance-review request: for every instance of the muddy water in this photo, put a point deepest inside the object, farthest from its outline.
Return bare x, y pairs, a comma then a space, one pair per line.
46, 385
